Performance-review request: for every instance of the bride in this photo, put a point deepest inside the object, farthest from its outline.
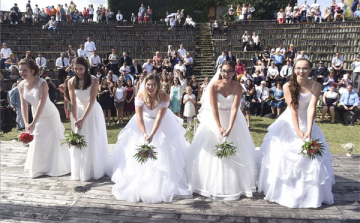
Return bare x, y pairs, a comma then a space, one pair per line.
156, 180
208, 175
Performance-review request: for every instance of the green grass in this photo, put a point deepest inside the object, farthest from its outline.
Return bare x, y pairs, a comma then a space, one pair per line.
335, 134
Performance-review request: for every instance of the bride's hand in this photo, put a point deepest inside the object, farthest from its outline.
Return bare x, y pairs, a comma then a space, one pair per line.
148, 138
227, 132
79, 123
30, 128
222, 131
300, 133
307, 135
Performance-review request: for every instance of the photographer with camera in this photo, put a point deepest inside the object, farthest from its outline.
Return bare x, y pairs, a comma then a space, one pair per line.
356, 74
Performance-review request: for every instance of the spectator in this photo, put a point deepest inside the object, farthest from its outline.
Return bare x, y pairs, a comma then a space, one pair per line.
281, 49
142, 10
165, 83
259, 66
204, 85
67, 12
157, 66
5, 54
257, 78
119, 18
189, 23
82, 52
317, 16
136, 69
225, 27
231, 12
36, 13
167, 65
52, 89
176, 58
278, 59
286, 71
91, 13
148, 66
94, 62
175, 96
71, 53
133, 18
89, 47
302, 55
329, 80
114, 61
194, 84
304, 10
180, 66
289, 14
238, 13
14, 17
215, 27
333, 8
231, 57
182, 51
272, 75
157, 57
240, 69
52, 25
353, 8
262, 94
220, 59
256, 41
321, 72
112, 77
356, 74
278, 102
244, 12
41, 62
130, 98
119, 99
126, 59
250, 11
149, 13
105, 91
349, 101
188, 62
245, 40
327, 14
14, 99
172, 23
344, 82
28, 15
330, 99
291, 53
281, 16
61, 64
337, 63
341, 8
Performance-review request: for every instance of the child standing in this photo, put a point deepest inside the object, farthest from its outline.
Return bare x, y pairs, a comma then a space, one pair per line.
189, 102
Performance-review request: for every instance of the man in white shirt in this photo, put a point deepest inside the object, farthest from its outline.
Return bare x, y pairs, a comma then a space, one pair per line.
272, 74
256, 41
180, 66
113, 76
304, 9
188, 62
220, 59
36, 13
81, 52
148, 66
67, 12
314, 6
41, 62
119, 18
4, 53
89, 47
182, 51
337, 64
286, 72
281, 49
215, 27
189, 23
62, 63
245, 40
262, 93
95, 63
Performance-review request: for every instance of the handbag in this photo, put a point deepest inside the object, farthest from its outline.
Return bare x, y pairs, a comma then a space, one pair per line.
241, 17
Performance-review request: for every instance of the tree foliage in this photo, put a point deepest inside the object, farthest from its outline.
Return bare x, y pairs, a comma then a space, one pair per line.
198, 9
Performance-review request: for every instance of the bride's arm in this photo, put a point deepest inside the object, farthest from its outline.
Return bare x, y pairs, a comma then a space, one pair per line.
43, 96
139, 114
214, 108
234, 108
312, 109
164, 99
294, 112
72, 100
24, 106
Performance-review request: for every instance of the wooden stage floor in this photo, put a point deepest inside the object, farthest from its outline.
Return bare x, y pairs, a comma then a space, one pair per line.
51, 199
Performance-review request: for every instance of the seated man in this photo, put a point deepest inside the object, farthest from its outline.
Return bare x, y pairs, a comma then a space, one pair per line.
62, 63
262, 94
41, 62
321, 72
188, 62
349, 101
95, 63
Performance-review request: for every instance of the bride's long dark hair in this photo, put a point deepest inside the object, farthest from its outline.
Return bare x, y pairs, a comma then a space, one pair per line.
87, 77
294, 85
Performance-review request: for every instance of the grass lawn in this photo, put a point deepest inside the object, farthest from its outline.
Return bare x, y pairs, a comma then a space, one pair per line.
335, 134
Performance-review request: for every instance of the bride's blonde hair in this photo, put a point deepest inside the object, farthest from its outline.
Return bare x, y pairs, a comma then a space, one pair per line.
146, 96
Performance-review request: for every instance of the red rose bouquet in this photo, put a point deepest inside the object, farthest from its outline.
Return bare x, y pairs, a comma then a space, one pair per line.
312, 148
25, 137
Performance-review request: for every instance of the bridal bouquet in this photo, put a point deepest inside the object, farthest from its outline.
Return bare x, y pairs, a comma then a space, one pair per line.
25, 137
312, 148
271, 98
349, 147
145, 152
225, 149
74, 139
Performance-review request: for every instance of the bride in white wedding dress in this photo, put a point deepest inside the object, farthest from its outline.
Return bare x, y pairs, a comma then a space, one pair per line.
219, 116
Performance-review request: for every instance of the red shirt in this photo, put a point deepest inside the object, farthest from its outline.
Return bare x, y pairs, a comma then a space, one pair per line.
240, 69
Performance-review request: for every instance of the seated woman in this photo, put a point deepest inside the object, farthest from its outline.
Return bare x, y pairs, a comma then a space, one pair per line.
329, 80
330, 99
278, 102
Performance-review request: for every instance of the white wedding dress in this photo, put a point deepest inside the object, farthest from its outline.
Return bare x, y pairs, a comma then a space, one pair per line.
226, 178
156, 180
89, 162
288, 178
46, 156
